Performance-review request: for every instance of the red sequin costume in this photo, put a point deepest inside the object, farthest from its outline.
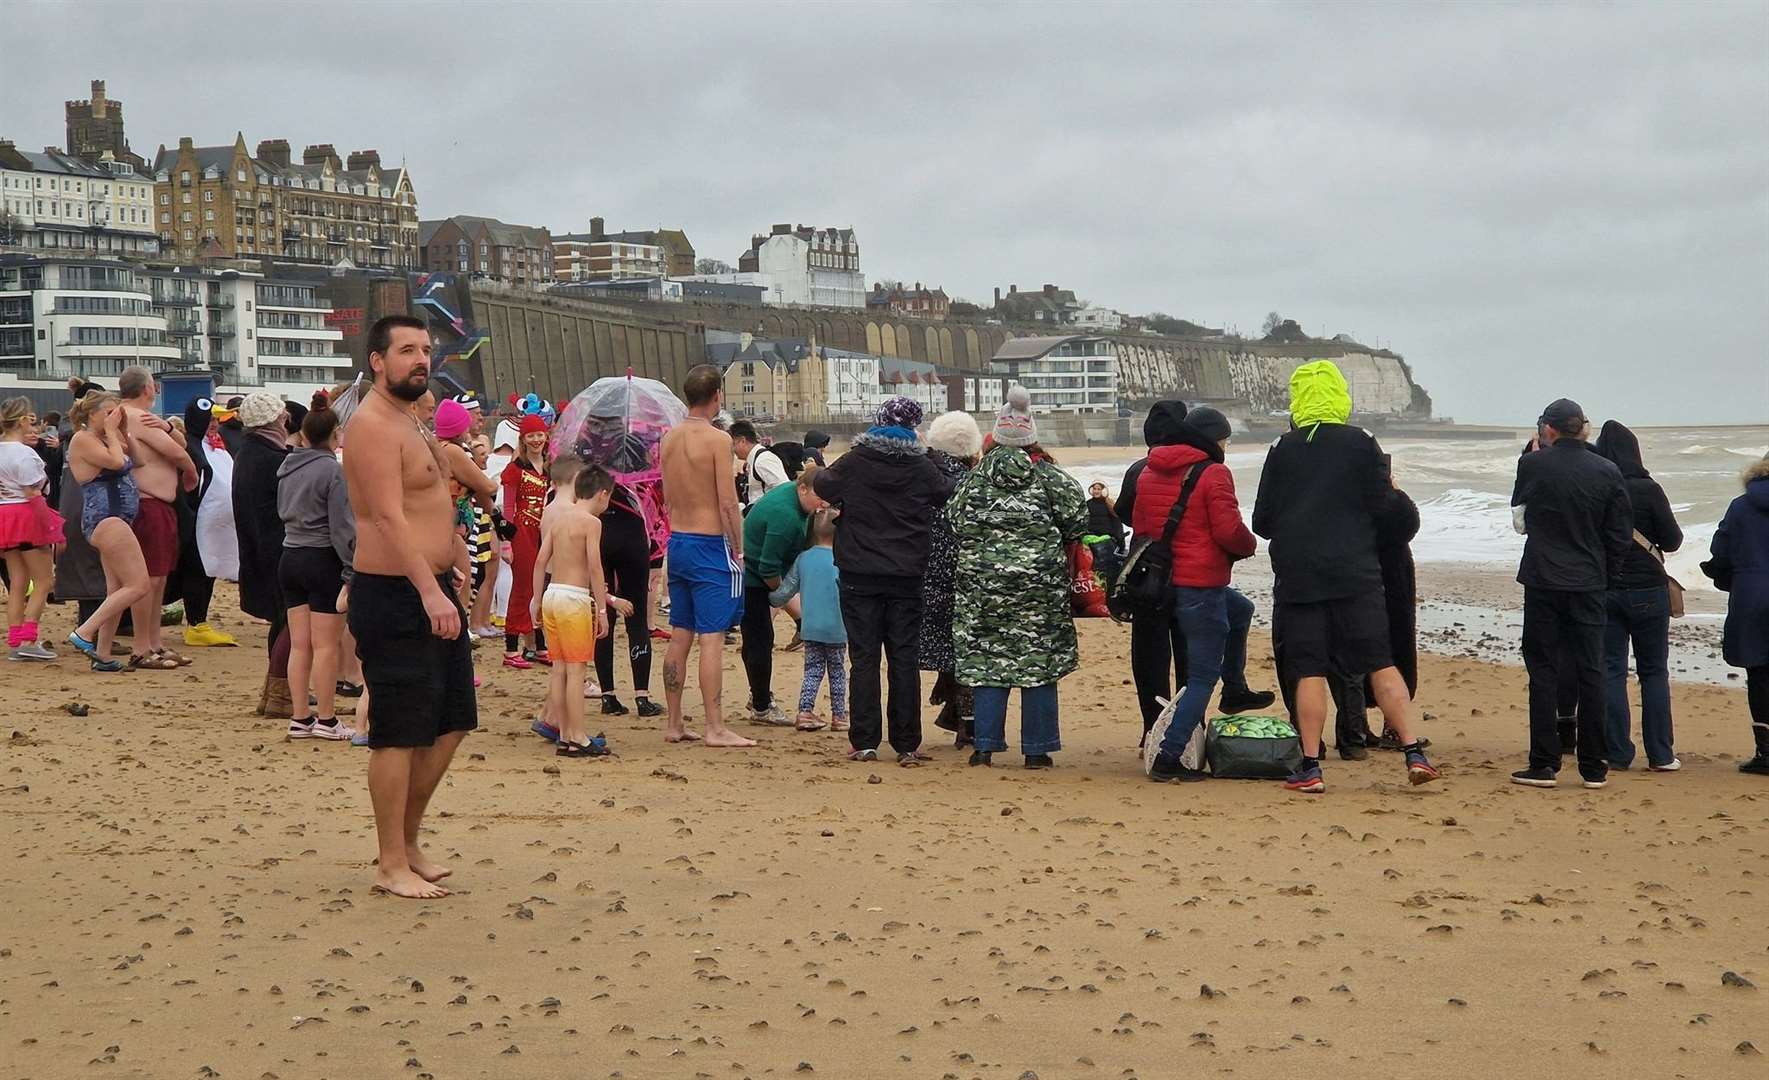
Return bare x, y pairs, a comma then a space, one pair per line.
525, 498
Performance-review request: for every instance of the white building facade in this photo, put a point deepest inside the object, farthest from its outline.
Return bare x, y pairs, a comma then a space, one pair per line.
1063, 374
90, 317
1098, 319
57, 203
810, 267
288, 345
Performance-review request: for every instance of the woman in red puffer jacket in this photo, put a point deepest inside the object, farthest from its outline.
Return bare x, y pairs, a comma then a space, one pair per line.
1210, 539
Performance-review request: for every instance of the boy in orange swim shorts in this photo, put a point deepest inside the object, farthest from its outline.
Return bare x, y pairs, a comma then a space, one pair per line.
572, 607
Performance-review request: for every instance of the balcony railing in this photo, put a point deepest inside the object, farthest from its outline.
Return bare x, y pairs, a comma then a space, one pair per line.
176, 299
220, 300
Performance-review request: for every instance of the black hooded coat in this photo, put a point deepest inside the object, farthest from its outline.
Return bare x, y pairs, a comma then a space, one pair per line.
1652, 511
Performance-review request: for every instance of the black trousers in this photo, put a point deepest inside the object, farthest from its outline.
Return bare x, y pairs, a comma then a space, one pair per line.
1154, 644
758, 646
886, 622
1756, 682
1560, 629
627, 572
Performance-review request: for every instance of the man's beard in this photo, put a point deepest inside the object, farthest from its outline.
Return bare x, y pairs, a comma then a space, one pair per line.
411, 388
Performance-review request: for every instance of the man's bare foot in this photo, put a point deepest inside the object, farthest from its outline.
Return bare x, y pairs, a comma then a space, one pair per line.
424, 868
683, 735
724, 736
408, 884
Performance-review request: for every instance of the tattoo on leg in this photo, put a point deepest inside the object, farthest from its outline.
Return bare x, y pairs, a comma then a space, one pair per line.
672, 675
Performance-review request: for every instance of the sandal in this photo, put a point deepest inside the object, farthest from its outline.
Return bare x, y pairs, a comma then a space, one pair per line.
177, 658
596, 747
152, 662
810, 721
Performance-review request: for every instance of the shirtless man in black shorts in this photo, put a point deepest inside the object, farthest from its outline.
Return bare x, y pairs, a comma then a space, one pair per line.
409, 628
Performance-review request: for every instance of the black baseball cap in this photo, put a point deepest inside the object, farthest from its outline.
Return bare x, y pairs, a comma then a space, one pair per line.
1564, 415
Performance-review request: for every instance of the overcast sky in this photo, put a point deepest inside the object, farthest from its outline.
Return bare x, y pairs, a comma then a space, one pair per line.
1527, 201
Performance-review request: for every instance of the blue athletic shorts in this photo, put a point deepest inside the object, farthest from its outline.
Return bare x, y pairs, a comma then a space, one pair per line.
706, 584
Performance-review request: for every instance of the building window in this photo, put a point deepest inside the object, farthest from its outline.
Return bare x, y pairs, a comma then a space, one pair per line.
208, 196
184, 176
166, 199
187, 234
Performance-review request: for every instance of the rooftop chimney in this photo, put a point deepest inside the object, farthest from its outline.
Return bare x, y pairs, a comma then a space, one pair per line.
274, 152
997, 296
98, 100
319, 154
186, 143
781, 230
1050, 290
364, 159
598, 228
1013, 289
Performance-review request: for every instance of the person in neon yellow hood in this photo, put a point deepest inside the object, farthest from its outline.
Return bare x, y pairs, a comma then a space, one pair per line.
1318, 395
1320, 491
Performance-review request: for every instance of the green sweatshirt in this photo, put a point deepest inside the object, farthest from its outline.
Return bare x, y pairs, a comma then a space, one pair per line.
773, 535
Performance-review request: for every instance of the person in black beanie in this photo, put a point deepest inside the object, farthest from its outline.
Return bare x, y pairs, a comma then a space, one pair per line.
1573, 508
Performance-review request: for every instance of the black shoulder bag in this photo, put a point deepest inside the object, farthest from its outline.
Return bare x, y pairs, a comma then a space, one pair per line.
1143, 586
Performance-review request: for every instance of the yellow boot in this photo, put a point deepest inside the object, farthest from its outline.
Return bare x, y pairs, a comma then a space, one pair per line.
203, 634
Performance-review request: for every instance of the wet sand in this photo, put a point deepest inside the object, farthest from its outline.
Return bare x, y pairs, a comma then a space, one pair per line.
190, 897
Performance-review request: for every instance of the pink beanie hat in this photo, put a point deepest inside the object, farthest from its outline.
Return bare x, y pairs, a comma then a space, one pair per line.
451, 420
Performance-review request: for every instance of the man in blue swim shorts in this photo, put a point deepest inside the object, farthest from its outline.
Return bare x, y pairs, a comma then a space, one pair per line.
705, 555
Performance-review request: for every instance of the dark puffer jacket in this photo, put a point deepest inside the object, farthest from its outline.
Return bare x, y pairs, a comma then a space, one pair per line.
887, 491
1740, 565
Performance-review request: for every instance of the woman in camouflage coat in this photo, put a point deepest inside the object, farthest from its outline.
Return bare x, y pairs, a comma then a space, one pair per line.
1014, 515
953, 445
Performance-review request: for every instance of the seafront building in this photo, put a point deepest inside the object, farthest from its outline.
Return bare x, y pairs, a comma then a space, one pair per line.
520, 255
224, 202
809, 267
1064, 374
66, 316
797, 382
53, 201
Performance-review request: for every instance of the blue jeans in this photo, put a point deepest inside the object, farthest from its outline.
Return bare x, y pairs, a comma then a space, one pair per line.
1642, 616
1038, 719
1202, 615
1234, 653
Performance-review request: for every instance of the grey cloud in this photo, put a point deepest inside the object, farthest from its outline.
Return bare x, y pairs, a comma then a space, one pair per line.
1527, 200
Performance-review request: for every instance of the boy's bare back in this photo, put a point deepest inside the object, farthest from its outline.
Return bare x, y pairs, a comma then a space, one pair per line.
576, 539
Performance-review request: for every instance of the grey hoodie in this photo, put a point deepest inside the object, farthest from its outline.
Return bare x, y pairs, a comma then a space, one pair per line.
314, 504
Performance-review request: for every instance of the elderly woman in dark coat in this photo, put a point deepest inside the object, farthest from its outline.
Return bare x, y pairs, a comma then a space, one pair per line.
260, 530
954, 442
1740, 566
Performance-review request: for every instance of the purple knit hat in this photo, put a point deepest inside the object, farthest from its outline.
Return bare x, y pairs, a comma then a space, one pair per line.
898, 412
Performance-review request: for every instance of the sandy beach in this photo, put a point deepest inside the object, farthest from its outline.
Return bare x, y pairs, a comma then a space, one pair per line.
190, 896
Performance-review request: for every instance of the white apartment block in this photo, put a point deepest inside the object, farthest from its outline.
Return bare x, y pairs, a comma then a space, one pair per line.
1064, 374
67, 316
62, 316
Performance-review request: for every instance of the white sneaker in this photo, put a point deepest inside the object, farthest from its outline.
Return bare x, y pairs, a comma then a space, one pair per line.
770, 717
301, 729
339, 732
1670, 766
32, 650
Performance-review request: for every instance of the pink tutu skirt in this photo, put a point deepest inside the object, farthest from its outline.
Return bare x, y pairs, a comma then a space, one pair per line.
30, 524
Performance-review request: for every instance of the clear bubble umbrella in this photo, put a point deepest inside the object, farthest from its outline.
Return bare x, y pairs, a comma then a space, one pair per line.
619, 422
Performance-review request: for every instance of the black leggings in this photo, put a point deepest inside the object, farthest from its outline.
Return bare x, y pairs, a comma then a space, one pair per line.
626, 567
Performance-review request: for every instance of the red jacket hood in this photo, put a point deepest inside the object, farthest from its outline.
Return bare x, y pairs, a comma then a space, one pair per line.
1172, 458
